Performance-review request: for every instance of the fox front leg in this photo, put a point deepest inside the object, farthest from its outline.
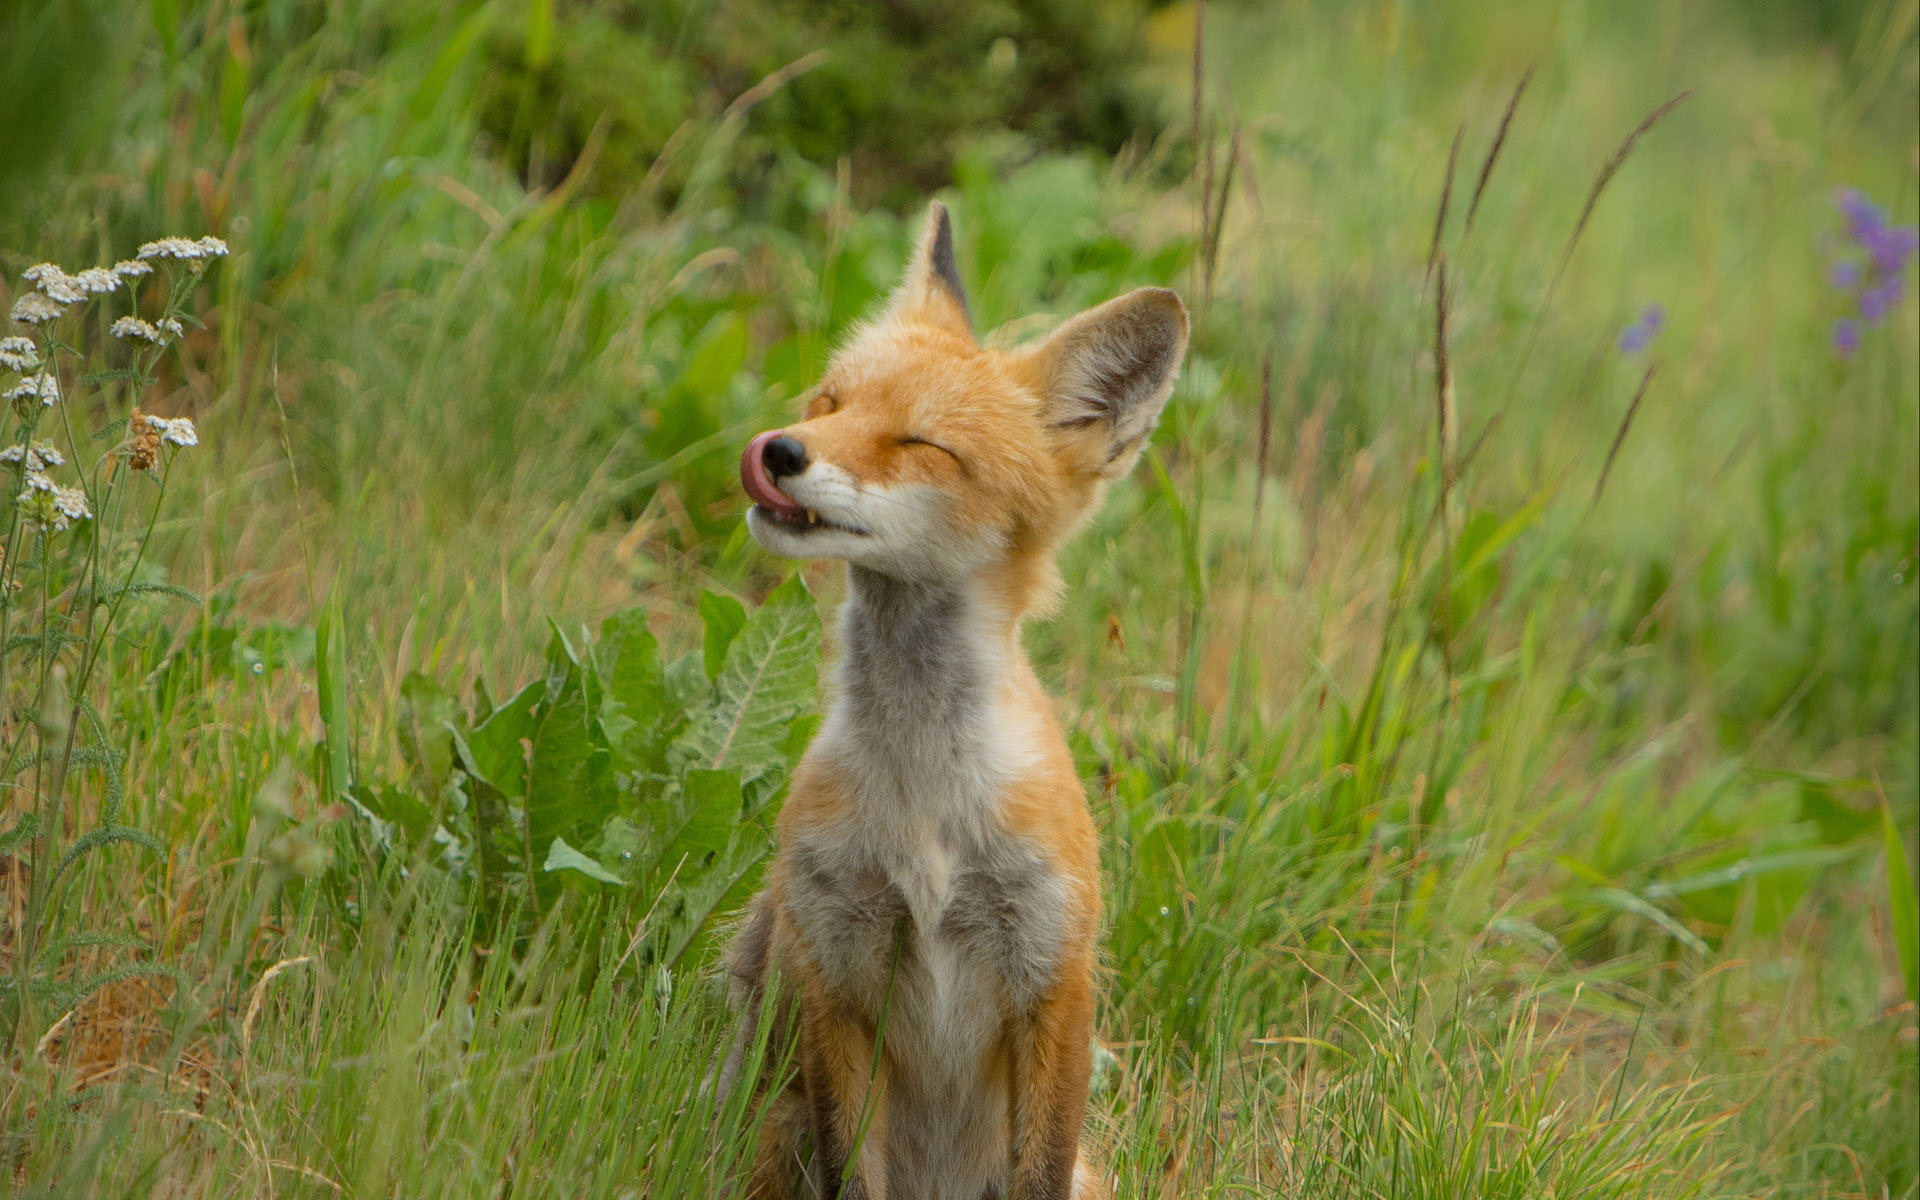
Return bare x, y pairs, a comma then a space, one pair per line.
845, 1101
1052, 1062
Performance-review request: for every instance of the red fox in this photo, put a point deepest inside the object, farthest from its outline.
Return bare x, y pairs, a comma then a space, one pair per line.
932, 909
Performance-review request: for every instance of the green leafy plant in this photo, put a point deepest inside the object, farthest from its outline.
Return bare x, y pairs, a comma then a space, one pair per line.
614, 770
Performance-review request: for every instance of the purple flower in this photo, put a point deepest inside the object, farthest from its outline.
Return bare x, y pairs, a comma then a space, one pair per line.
1844, 274
1846, 337
1864, 217
1635, 337
1877, 302
1882, 251
1889, 248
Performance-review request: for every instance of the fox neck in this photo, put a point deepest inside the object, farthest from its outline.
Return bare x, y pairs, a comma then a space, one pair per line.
923, 674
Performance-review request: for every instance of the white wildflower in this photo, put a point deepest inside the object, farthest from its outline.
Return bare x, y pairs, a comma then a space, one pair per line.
42, 385
97, 280
172, 325
50, 506
34, 307
178, 431
71, 503
212, 247
37, 457
134, 327
18, 354
57, 284
173, 247
132, 268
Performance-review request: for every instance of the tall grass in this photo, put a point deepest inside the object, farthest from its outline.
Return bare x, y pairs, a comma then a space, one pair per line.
1490, 799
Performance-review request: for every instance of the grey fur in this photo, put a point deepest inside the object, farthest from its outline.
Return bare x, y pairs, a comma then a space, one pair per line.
1013, 914
847, 911
910, 678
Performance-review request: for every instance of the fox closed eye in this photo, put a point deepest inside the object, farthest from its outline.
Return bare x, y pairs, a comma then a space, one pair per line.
920, 441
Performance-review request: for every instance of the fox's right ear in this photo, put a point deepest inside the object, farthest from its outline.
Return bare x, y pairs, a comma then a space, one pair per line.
931, 289
1106, 374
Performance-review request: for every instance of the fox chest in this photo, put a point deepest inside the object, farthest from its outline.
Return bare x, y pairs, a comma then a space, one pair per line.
951, 930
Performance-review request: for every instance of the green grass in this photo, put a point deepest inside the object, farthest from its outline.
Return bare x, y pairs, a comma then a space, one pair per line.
1506, 842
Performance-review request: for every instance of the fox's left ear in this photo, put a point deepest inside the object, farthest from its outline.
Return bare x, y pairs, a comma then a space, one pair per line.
1105, 375
931, 290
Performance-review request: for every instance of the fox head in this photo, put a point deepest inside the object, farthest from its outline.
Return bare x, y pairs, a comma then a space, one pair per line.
923, 456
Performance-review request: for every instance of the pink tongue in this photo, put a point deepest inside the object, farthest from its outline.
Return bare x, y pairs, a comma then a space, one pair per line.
759, 484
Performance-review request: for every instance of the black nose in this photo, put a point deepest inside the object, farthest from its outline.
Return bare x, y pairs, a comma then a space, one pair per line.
784, 456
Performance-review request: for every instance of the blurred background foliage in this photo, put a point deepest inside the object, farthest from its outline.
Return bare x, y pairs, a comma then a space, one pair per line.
1390, 778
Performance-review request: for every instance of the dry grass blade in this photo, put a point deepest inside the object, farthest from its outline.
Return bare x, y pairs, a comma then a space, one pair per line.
1446, 198
258, 995
1620, 435
1218, 219
1493, 152
1442, 373
1609, 168
773, 82
1199, 64
1206, 208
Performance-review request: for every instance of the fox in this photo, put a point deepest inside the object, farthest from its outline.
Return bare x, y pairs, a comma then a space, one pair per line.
929, 918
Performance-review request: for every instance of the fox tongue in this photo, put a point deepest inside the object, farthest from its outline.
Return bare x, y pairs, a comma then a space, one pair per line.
759, 484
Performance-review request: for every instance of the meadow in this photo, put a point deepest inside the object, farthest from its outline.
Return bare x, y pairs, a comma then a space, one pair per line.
1498, 687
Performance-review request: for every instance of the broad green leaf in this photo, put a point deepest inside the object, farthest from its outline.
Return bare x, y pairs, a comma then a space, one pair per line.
626, 661
1902, 903
562, 857
767, 681
561, 656
723, 885
723, 617
427, 715
713, 809
621, 841
688, 690
569, 775
398, 807
492, 752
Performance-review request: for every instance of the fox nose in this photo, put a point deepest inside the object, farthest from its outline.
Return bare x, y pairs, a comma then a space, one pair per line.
784, 456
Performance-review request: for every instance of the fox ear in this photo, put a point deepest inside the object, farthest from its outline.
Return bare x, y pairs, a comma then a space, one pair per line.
1105, 375
931, 290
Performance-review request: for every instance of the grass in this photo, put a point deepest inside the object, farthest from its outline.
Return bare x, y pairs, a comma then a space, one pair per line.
1501, 837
